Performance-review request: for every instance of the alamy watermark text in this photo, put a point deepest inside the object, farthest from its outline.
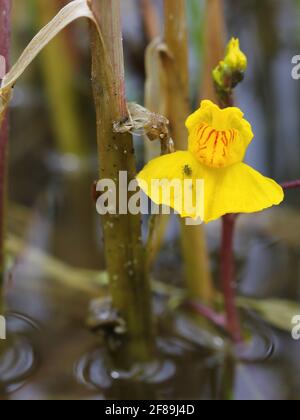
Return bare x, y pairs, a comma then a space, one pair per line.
117, 197
2, 66
2, 328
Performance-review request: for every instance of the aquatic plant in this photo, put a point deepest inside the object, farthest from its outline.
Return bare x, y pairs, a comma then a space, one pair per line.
211, 144
124, 251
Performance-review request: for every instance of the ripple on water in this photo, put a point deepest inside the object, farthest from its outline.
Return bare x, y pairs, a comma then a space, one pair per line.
259, 347
95, 370
17, 358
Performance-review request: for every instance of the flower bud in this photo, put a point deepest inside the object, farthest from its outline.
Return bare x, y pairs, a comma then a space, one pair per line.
230, 71
235, 59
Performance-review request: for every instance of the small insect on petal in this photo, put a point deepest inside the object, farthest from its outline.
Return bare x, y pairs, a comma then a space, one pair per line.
187, 170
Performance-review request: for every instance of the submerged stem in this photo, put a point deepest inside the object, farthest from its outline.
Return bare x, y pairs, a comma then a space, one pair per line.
124, 252
227, 278
5, 7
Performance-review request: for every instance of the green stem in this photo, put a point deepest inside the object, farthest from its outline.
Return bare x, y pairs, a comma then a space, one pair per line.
199, 281
125, 259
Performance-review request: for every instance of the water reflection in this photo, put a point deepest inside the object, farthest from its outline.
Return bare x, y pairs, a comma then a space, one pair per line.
18, 358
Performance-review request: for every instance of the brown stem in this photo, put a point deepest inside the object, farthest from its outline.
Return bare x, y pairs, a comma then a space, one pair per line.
125, 259
214, 45
150, 17
5, 7
227, 278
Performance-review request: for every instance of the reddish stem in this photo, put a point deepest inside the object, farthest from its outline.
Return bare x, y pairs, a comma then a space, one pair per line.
5, 7
208, 313
150, 17
291, 185
227, 278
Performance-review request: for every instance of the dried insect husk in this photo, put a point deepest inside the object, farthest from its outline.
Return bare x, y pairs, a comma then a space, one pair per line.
142, 122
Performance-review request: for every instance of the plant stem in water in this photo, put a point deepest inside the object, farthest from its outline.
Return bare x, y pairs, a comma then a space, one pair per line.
125, 257
208, 313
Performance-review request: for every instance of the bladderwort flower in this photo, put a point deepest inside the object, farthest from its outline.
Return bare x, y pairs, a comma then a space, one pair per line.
218, 141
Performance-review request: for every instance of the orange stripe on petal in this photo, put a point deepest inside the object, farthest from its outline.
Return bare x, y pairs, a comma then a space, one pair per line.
204, 129
209, 136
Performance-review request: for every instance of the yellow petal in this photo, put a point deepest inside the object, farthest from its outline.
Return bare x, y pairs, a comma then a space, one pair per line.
238, 189
181, 169
218, 137
235, 189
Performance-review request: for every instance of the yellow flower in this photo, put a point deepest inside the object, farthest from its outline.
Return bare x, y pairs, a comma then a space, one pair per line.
218, 140
235, 59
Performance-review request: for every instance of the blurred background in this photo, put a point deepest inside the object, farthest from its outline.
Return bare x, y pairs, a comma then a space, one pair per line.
55, 240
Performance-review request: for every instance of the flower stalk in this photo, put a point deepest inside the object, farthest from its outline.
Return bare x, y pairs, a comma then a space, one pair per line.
228, 269
227, 278
5, 8
226, 77
129, 283
291, 185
